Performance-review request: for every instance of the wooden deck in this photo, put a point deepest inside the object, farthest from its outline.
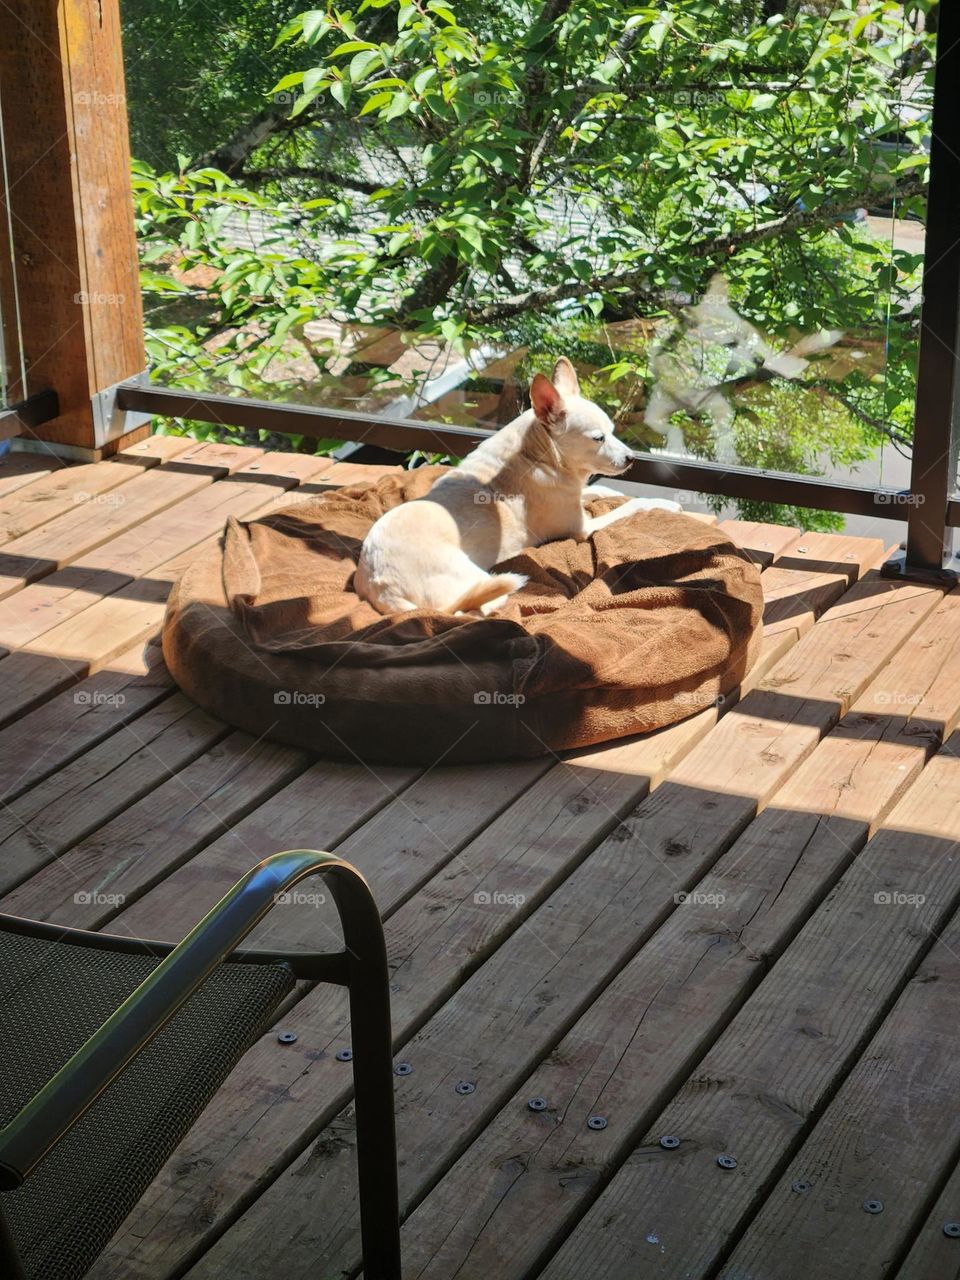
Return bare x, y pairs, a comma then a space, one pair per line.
740, 932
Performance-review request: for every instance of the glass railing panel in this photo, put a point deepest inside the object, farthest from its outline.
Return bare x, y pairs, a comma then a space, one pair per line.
716, 211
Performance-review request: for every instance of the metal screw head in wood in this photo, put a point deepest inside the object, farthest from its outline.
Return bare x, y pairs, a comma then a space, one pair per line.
801, 1186
952, 1229
403, 1069
344, 1055
669, 1142
286, 1037
464, 1087
727, 1162
873, 1206
537, 1104
597, 1122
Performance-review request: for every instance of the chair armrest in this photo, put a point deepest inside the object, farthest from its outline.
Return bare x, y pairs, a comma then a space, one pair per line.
76, 1086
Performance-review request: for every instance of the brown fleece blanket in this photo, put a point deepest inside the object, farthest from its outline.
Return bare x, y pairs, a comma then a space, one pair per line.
648, 621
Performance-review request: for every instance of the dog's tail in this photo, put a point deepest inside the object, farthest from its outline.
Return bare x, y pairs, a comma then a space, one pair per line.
487, 589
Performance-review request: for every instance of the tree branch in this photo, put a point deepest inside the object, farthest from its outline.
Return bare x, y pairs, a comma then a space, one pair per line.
318, 173
231, 155
551, 14
717, 247
896, 438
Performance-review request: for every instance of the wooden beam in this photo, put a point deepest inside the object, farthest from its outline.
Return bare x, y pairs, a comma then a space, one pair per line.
68, 209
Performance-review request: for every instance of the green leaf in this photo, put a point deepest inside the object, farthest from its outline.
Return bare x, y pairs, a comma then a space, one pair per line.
293, 28
472, 237
911, 162
312, 78
315, 23
352, 46
376, 101
302, 102
363, 63
423, 78
289, 81
340, 91
442, 11
399, 106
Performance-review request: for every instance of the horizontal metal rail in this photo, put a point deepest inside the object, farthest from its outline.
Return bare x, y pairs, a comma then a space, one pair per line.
15, 419
767, 486
404, 434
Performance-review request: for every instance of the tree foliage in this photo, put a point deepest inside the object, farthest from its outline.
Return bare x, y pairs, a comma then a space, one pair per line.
510, 172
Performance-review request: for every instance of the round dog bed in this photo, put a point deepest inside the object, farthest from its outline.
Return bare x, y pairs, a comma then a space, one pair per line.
647, 622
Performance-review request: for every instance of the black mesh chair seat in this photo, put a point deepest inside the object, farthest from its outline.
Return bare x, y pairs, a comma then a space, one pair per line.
111, 1047
53, 996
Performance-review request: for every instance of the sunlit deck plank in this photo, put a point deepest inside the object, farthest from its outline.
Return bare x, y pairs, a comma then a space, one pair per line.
60, 490
438, 939
761, 1087
161, 807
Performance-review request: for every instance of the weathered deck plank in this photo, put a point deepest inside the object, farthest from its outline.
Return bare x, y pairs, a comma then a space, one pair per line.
933, 1254
56, 732
808, 577
687, 979
763, 542
763, 1084
435, 942
53, 817
128, 808
17, 470
84, 525
122, 859
39, 607
909, 1075
54, 489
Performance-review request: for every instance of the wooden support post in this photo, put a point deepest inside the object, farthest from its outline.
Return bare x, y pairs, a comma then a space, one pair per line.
71, 302
933, 471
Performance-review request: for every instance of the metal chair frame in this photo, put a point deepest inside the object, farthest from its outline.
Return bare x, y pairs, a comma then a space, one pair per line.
361, 967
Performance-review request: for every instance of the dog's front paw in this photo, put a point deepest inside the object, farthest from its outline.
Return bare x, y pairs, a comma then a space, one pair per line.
649, 504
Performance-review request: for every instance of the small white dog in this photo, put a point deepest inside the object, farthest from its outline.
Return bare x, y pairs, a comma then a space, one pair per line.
522, 487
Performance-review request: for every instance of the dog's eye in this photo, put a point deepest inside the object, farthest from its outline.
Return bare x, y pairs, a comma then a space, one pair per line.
597, 435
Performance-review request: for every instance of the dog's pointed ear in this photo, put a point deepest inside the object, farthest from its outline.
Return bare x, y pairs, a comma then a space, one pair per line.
565, 378
546, 399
